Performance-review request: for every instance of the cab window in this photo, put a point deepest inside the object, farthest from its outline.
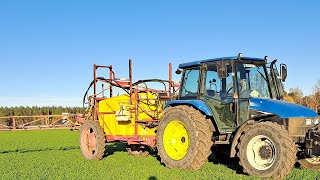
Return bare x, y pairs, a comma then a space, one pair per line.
190, 83
215, 87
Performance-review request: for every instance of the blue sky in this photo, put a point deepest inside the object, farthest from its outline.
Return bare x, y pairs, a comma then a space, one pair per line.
47, 48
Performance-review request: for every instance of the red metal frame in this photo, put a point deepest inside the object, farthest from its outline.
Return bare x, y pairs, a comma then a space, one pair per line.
132, 90
47, 121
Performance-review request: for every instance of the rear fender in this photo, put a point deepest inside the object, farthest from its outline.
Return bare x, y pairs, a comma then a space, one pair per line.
197, 104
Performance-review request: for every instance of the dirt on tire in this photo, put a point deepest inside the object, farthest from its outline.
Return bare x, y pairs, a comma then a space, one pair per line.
200, 137
285, 153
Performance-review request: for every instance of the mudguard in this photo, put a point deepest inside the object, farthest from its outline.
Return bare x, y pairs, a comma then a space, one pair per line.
198, 104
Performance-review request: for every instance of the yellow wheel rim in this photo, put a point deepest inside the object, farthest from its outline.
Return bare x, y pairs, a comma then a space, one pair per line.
176, 140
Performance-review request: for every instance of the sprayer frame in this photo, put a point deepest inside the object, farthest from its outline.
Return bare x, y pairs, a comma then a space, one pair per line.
132, 90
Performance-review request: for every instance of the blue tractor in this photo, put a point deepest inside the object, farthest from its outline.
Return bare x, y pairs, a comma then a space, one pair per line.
235, 103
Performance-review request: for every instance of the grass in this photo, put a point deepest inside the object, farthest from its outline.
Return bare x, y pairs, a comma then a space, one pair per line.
55, 154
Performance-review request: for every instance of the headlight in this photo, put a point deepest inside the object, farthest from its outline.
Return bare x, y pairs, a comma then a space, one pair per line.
310, 122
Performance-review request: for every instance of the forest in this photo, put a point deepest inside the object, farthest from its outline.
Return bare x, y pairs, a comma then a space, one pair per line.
312, 101
35, 110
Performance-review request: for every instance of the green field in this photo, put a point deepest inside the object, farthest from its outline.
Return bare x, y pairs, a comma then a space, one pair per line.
55, 154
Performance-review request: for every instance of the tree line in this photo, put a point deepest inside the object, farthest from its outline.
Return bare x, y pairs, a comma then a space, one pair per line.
35, 110
312, 101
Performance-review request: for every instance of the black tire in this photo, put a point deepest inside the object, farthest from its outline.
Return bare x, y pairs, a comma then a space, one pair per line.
136, 150
92, 140
199, 134
269, 144
310, 163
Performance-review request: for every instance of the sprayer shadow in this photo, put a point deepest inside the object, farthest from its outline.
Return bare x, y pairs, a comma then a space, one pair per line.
39, 150
111, 148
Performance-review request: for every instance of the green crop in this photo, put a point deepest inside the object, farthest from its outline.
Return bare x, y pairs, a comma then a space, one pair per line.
55, 154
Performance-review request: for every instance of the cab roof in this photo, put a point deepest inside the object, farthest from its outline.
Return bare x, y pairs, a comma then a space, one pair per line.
198, 63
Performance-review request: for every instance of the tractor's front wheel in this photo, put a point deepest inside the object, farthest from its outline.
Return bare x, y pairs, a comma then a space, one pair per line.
92, 140
266, 150
310, 162
184, 138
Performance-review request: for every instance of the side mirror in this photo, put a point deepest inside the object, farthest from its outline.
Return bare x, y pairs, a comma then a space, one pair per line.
178, 71
222, 69
283, 72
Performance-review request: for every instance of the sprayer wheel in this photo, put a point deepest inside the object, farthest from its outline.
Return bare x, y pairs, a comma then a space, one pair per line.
92, 140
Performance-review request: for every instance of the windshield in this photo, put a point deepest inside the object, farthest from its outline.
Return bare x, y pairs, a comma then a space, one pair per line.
252, 81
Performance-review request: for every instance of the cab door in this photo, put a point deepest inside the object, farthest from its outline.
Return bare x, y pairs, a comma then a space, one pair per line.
218, 93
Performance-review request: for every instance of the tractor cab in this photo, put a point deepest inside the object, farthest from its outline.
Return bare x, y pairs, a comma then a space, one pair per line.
227, 84
233, 90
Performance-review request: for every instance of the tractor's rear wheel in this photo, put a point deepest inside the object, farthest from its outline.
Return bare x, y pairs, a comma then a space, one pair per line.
266, 150
184, 138
139, 151
310, 162
92, 140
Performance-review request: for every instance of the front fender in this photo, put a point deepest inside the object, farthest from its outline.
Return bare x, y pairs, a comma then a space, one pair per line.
237, 135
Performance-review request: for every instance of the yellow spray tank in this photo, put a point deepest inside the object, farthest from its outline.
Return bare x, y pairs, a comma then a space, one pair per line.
118, 118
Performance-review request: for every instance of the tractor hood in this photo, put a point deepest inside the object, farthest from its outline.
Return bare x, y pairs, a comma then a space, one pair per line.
281, 108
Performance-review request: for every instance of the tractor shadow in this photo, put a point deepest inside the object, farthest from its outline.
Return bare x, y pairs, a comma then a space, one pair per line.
219, 157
